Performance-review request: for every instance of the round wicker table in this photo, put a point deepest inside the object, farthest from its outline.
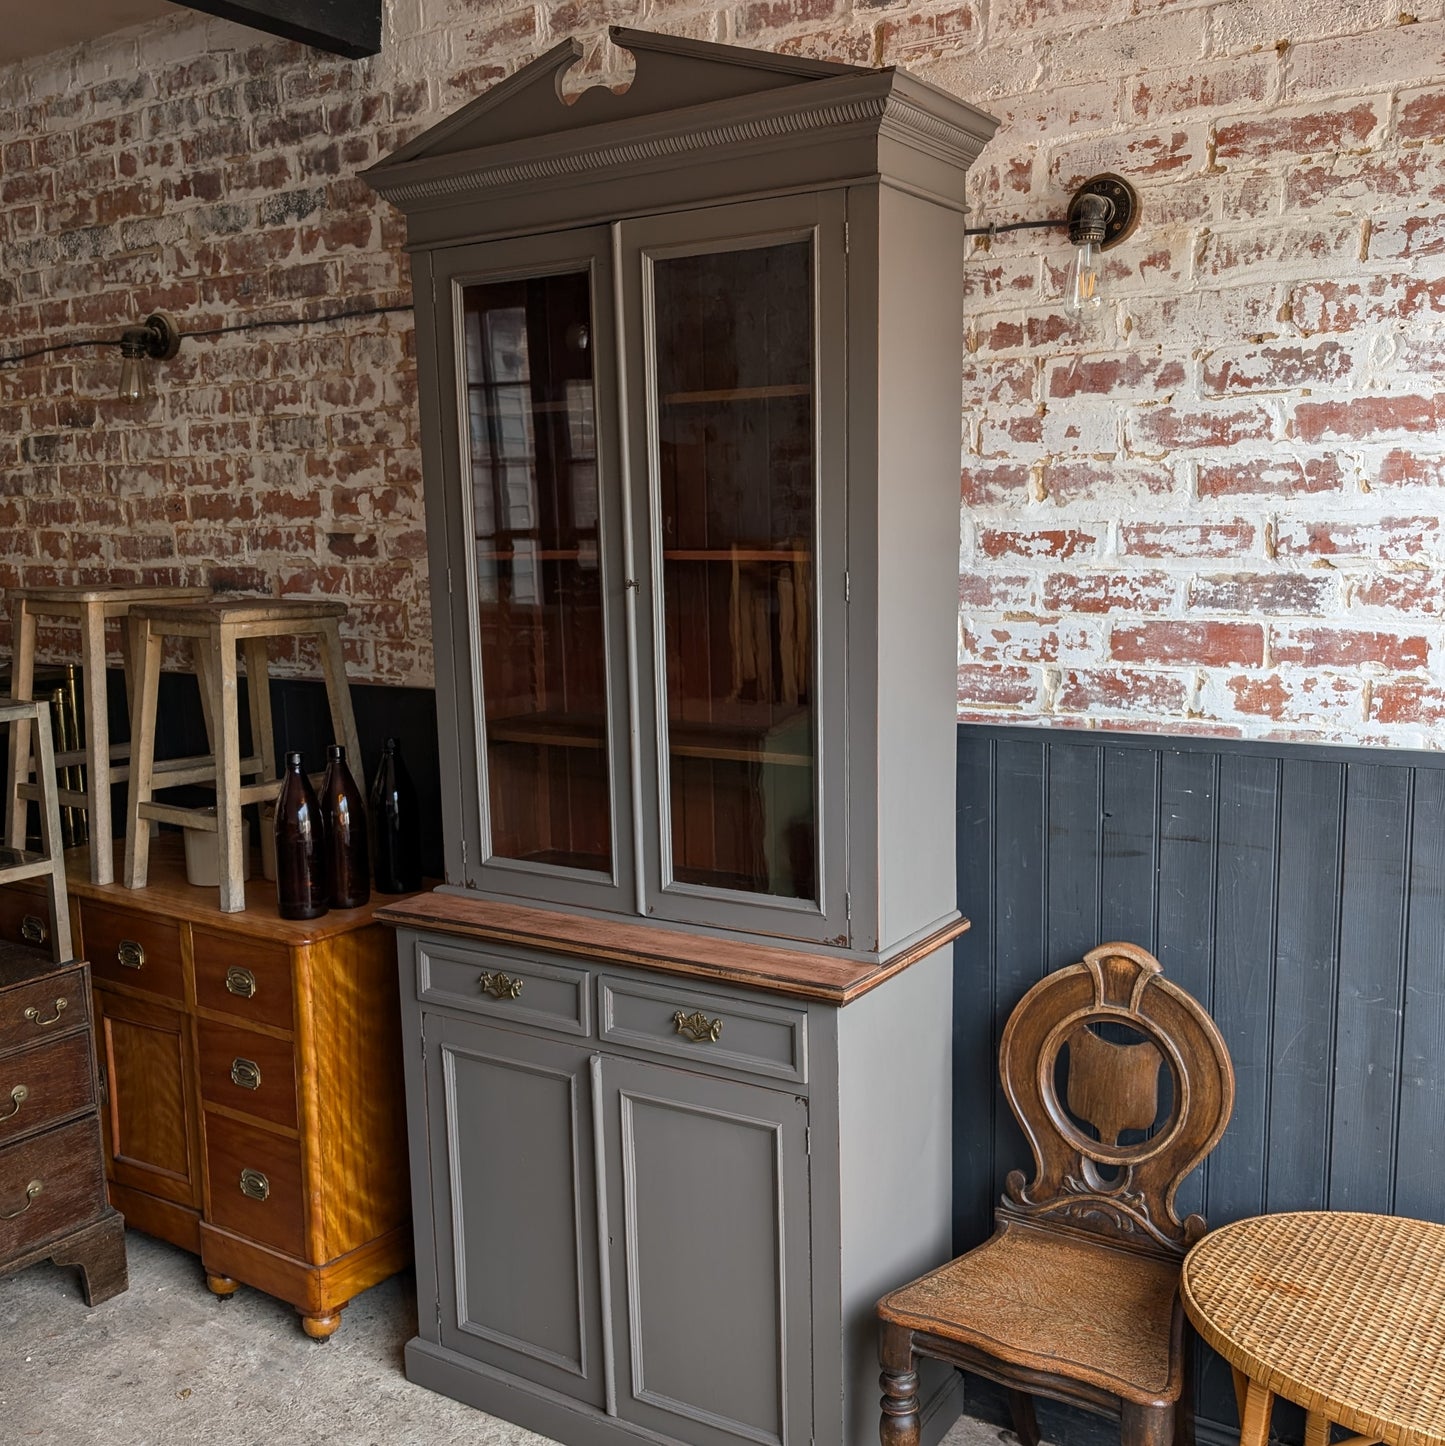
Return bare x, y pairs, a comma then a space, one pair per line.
1342, 1314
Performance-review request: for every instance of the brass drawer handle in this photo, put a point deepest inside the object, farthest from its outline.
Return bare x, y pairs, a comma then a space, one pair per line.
246, 1073
33, 1014
254, 1185
18, 1095
33, 930
240, 982
500, 986
129, 954
697, 1026
31, 1191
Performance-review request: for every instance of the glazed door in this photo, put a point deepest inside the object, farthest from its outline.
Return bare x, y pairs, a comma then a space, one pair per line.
509, 1119
527, 586
734, 377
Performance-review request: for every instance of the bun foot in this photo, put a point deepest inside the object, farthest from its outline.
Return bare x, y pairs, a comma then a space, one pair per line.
321, 1327
222, 1285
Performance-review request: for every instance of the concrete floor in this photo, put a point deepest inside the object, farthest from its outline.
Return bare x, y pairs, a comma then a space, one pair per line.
168, 1364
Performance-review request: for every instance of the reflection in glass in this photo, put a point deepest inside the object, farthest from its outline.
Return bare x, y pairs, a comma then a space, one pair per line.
735, 406
532, 453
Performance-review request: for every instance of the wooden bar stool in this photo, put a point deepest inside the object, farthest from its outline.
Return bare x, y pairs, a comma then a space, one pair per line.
215, 629
91, 608
49, 863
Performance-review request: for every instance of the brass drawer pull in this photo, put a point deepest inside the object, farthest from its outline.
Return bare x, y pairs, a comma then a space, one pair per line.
246, 1073
254, 1185
18, 1095
500, 986
697, 1026
33, 929
129, 954
31, 1191
240, 982
33, 1014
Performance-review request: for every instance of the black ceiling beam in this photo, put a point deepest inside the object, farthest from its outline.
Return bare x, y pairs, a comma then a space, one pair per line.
342, 27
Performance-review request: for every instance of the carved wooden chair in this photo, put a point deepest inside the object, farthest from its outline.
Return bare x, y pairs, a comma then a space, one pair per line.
1075, 1295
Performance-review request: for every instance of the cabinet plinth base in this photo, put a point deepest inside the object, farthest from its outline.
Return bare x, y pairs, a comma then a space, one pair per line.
97, 1248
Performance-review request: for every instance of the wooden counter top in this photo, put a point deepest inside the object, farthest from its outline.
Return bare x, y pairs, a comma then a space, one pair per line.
793, 973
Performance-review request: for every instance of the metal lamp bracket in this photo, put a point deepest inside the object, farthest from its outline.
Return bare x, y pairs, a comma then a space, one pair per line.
1123, 213
164, 336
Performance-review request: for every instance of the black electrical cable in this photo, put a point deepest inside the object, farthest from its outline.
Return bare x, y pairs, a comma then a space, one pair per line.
211, 330
996, 230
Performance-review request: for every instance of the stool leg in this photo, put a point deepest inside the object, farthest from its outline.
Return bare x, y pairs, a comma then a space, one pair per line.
50, 839
338, 695
228, 767
97, 745
146, 647
263, 741
22, 685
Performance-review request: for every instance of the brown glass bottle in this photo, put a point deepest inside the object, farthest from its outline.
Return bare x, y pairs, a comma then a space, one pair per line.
302, 890
396, 825
344, 818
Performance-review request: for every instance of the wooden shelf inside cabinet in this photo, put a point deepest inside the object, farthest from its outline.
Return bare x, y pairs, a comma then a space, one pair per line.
737, 554
548, 554
550, 730
736, 394
743, 742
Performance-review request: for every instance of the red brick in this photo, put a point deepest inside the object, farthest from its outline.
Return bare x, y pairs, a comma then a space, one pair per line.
1205, 644
1405, 469
996, 592
1412, 594
1272, 476
1240, 79
1313, 697
1058, 542
1421, 116
1109, 376
1108, 592
1407, 700
1074, 480
1307, 248
1408, 238
1276, 368
1334, 647
1363, 417
1384, 537
1269, 594
1328, 130
1166, 429
1034, 641
1197, 539
987, 685
1123, 690
987, 486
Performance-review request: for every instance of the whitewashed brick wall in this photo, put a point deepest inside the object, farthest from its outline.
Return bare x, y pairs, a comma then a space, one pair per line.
1219, 512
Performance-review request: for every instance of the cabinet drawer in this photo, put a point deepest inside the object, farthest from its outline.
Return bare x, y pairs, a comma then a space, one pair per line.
247, 1071
45, 1083
554, 996
24, 916
49, 1183
39, 1011
244, 978
134, 949
688, 1023
255, 1184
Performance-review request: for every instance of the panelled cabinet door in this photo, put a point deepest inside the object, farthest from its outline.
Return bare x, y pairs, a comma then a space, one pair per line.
510, 1118
149, 1107
707, 1223
522, 342
733, 362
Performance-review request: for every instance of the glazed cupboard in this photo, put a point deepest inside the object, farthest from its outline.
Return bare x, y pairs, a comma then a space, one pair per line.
678, 1085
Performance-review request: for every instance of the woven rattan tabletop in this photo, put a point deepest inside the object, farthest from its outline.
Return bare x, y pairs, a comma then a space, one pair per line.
1343, 1314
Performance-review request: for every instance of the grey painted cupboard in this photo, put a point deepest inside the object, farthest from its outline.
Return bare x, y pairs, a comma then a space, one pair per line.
679, 1093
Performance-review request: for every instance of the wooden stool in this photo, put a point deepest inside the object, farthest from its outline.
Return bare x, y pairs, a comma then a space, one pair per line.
215, 628
18, 863
91, 608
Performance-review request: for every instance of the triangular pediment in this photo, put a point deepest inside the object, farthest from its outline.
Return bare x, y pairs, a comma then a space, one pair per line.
671, 73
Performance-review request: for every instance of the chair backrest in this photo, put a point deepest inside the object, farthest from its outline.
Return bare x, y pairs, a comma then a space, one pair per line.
1082, 1060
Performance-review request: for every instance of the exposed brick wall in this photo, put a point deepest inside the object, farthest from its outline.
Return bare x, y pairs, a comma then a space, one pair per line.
1217, 513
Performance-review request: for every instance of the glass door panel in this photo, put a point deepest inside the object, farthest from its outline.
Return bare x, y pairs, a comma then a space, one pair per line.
531, 463
737, 497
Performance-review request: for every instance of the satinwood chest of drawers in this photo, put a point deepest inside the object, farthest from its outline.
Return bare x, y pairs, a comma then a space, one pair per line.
251, 1070
52, 1184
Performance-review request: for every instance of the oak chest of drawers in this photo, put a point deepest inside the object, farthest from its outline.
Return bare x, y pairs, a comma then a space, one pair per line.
252, 1078
52, 1186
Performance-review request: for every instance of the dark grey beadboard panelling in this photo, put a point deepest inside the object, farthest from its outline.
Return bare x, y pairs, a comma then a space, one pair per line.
1298, 892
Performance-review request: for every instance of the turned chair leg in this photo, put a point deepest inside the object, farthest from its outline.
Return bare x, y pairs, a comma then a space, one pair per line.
1146, 1425
899, 1423
1026, 1424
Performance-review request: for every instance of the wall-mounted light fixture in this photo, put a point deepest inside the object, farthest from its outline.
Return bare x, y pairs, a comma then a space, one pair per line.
156, 339
1102, 212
